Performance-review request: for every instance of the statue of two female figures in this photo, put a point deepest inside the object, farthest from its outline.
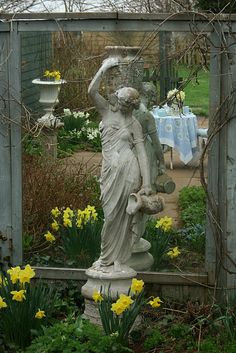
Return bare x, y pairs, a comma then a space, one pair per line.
125, 170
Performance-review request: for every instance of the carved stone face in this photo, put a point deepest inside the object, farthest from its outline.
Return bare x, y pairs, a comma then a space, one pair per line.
149, 92
128, 98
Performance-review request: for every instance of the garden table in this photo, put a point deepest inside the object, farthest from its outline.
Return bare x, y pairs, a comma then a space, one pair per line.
178, 132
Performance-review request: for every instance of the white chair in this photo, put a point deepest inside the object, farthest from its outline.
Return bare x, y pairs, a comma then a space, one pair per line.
202, 137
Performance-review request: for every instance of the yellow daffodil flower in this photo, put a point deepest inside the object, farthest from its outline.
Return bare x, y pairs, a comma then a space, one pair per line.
2, 303
14, 273
46, 73
18, 295
118, 308
93, 213
164, 223
55, 225
52, 74
155, 302
97, 297
69, 212
136, 285
174, 252
125, 300
49, 237
40, 314
26, 274
55, 212
67, 222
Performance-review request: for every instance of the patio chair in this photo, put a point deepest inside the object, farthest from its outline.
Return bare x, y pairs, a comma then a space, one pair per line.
202, 137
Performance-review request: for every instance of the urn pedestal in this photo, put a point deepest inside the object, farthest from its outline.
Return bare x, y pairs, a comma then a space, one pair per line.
49, 91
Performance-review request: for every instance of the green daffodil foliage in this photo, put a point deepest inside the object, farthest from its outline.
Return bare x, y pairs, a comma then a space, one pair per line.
118, 316
24, 306
79, 231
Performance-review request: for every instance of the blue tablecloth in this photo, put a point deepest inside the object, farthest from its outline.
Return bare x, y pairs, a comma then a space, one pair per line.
180, 133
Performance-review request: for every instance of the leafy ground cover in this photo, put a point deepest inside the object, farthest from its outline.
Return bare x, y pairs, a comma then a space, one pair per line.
166, 326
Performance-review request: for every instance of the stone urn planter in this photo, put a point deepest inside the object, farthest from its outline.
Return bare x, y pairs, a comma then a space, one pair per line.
49, 91
129, 72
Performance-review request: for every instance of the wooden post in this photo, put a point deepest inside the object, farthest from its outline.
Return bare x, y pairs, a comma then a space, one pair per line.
163, 65
213, 167
221, 230
10, 150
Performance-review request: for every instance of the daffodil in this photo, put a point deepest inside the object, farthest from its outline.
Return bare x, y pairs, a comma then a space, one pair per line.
69, 212
55, 225
174, 252
155, 302
97, 297
118, 308
164, 223
55, 212
18, 295
49, 237
125, 300
26, 274
52, 74
14, 273
136, 285
67, 222
40, 314
2, 303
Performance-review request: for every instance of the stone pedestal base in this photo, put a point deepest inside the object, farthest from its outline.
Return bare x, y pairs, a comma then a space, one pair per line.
141, 259
91, 312
103, 279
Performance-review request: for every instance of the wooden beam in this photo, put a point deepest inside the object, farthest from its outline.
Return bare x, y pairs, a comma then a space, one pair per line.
108, 22
148, 277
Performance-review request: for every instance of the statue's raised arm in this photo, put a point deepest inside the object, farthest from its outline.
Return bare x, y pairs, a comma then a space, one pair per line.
100, 102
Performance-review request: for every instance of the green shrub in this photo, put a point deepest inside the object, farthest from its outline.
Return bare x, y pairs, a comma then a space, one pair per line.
153, 340
179, 330
191, 194
209, 345
193, 238
192, 204
78, 336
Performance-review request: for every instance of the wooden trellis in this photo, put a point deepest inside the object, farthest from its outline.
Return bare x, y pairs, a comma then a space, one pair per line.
221, 229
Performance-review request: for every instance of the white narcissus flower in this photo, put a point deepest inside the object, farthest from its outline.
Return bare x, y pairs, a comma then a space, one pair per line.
172, 93
180, 96
177, 95
67, 111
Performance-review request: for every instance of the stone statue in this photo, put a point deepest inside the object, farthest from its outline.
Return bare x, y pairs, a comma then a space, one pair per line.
141, 259
125, 168
152, 144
